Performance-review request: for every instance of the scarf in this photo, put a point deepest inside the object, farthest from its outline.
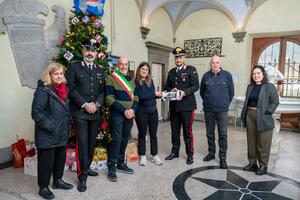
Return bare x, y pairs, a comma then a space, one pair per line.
61, 91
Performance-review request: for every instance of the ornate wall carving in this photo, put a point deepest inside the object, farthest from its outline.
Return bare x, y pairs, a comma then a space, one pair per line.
32, 46
205, 47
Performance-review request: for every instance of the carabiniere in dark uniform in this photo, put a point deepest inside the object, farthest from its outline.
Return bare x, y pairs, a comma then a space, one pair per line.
86, 84
183, 78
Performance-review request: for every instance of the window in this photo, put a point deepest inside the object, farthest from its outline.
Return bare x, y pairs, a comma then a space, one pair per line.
283, 54
270, 56
291, 85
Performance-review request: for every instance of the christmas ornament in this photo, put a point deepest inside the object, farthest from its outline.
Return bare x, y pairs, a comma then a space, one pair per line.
100, 54
97, 23
103, 57
110, 64
68, 55
104, 124
75, 20
98, 38
86, 19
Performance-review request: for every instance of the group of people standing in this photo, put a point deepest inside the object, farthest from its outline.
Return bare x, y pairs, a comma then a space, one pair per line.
80, 94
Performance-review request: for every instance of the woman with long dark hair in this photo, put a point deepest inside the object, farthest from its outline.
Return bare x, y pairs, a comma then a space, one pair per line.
146, 115
50, 112
260, 103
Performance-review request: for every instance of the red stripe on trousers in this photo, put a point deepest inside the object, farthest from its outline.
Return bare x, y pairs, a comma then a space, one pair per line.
191, 132
77, 154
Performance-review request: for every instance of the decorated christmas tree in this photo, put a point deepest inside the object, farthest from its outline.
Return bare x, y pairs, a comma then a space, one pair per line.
84, 24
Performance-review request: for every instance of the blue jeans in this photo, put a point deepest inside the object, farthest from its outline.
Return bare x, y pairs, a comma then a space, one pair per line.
120, 130
211, 118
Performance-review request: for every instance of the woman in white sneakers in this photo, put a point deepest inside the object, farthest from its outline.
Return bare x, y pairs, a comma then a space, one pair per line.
146, 115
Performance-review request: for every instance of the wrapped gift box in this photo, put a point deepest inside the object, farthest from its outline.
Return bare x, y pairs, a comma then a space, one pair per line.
99, 154
30, 165
99, 165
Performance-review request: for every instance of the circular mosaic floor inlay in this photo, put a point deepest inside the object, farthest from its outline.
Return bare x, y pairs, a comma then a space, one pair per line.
213, 183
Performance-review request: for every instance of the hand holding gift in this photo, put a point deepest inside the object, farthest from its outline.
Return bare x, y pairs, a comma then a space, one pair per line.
179, 95
175, 94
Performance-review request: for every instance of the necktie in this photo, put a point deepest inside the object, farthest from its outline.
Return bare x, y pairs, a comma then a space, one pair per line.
90, 66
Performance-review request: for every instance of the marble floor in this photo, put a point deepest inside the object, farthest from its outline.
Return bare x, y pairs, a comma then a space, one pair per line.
176, 180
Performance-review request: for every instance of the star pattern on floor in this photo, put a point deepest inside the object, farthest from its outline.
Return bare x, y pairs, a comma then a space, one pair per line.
236, 187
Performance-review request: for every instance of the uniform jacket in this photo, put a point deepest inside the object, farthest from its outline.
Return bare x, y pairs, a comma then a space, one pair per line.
268, 101
186, 80
217, 91
85, 85
52, 118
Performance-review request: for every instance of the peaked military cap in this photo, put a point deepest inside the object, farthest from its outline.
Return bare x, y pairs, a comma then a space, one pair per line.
91, 44
178, 51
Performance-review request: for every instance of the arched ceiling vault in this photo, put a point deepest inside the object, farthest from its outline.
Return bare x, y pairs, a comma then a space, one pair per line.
237, 11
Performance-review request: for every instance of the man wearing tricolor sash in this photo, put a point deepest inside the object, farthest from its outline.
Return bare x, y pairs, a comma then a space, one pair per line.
123, 102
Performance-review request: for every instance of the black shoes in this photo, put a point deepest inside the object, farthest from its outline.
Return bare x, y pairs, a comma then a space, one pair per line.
261, 170
82, 186
223, 164
46, 193
189, 160
92, 173
112, 175
251, 168
122, 167
172, 156
60, 184
208, 157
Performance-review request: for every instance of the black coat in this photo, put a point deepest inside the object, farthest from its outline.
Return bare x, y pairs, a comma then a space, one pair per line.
85, 86
52, 118
186, 80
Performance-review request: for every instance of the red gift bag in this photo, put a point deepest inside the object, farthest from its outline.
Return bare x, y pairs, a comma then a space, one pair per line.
19, 152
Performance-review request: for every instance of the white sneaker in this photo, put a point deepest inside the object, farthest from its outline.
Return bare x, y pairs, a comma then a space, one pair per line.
156, 160
143, 160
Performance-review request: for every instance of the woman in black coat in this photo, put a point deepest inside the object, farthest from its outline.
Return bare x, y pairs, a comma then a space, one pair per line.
260, 103
50, 111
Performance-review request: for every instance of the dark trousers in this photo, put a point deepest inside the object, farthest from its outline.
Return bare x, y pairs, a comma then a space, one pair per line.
50, 161
120, 129
259, 143
211, 119
144, 121
86, 132
184, 119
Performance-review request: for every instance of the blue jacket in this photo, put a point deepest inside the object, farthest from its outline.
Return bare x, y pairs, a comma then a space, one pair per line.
147, 98
217, 91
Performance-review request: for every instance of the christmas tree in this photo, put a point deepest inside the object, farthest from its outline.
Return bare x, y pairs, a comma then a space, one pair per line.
85, 24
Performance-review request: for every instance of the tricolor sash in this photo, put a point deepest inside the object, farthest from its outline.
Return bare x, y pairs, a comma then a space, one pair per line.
120, 78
